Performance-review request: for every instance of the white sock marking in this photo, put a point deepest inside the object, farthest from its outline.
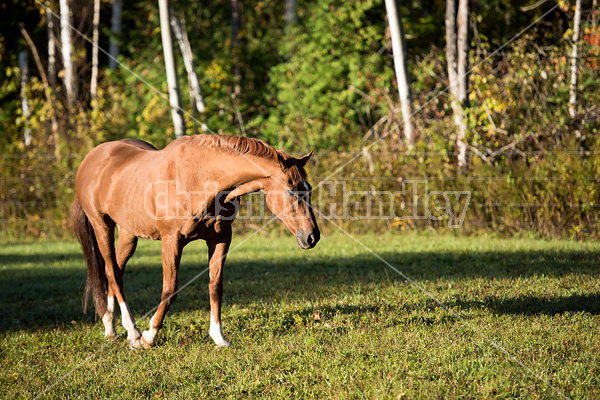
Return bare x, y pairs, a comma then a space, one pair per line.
128, 322
150, 334
107, 319
216, 333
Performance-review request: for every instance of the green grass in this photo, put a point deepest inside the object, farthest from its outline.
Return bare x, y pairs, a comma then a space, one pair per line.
332, 322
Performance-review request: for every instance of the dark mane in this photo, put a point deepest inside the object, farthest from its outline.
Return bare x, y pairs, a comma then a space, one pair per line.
235, 144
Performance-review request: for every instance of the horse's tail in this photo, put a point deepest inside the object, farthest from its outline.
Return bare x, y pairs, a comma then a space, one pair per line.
96, 274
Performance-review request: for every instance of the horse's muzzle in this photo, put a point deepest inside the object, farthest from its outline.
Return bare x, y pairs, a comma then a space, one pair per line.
307, 240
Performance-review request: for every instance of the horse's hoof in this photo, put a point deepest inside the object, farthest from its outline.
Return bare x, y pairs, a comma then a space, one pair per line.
135, 344
111, 336
223, 345
145, 344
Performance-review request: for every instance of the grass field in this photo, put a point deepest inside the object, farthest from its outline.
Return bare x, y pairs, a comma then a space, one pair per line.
332, 322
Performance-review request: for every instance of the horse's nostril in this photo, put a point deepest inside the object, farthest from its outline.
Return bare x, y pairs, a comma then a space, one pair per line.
311, 239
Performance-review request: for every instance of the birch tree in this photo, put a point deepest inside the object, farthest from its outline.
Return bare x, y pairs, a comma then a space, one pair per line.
574, 55
235, 46
95, 38
397, 35
51, 48
66, 47
24, 67
290, 17
47, 87
457, 57
115, 30
171, 69
180, 31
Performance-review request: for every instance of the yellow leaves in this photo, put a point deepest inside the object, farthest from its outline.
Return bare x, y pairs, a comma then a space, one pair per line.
565, 5
216, 74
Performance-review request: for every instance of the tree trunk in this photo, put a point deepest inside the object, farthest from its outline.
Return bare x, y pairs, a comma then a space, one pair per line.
402, 78
47, 89
290, 17
180, 32
235, 47
171, 69
24, 100
462, 23
594, 24
65, 38
115, 30
574, 55
451, 46
95, 38
51, 48
457, 55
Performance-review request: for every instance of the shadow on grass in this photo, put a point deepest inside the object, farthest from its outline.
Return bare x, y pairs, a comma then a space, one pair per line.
35, 295
532, 305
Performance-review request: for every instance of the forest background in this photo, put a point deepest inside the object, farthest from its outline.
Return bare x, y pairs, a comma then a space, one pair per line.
317, 75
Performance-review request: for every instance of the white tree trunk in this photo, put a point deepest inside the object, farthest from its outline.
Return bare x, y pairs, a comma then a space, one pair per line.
174, 96
95, 38
402, 78
235, 46
462, 23
451, 47
51, 49
115, 30
456, 56
188, 60
23, 66
574, 55
290, 17
462, 49
65, 38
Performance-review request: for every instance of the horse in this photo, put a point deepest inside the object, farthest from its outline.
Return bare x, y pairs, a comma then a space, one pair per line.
187, 191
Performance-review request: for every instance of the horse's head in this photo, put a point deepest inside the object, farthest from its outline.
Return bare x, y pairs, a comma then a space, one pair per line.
288, 196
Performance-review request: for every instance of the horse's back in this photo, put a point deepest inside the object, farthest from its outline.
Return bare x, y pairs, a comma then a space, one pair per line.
114, 167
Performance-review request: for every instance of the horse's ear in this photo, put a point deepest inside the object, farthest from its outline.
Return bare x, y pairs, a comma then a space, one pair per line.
304, 159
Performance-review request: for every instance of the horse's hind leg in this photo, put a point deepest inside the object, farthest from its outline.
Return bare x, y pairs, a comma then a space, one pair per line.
105, 236
125, 248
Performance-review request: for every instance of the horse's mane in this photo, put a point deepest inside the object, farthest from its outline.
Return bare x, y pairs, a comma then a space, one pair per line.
235, 144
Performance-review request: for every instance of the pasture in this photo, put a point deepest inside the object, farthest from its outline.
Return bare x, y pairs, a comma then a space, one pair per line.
332, 322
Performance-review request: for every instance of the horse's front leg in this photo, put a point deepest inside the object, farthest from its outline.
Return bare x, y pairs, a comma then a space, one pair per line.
171, 256
217, 252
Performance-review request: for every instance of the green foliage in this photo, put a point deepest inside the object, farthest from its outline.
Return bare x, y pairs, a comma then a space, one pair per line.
332, 59
327, 84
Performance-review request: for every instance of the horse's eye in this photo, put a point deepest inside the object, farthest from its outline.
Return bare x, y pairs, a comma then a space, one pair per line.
291, 193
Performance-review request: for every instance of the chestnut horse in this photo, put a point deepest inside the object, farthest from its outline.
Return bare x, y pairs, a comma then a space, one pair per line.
186, 191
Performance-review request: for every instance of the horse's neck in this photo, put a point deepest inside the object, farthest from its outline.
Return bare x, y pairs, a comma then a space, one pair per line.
221, 173
242, 171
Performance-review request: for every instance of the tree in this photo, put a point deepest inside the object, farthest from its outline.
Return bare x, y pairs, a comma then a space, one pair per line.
180, 31
171, 69
115, 30
402, 78
65, 39
235, 46
47, 88
456, 57
95, 37
574, 55
23, 66
290, 17
51, 48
